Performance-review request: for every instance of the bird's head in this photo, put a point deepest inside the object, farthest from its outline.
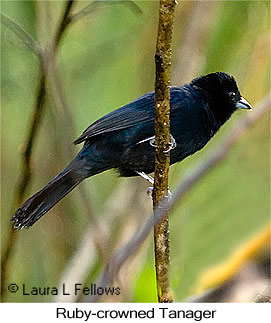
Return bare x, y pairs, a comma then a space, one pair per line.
224, 94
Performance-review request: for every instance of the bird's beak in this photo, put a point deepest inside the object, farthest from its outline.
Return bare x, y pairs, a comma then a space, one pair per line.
243, 104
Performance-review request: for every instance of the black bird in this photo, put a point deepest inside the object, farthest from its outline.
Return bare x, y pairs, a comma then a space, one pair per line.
124, 138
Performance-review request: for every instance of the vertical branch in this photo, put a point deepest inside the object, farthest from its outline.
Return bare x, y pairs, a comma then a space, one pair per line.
162, 142
30, 139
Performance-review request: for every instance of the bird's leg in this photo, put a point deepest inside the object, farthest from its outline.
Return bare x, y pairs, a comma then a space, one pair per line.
151, 140
146, 176
151, 180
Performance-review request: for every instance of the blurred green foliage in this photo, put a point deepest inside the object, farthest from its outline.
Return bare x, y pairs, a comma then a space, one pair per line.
106, 59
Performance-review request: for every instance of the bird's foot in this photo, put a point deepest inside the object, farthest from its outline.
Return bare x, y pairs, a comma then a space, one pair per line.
150, 189
168, 197
171, 146
151, 141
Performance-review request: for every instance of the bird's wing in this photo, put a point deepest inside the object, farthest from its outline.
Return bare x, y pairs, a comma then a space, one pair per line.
139, 111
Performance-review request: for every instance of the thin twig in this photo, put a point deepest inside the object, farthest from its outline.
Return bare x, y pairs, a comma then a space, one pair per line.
162, 142
64, 22
55, 88
193, 176
25, 178
96, 4
22, 35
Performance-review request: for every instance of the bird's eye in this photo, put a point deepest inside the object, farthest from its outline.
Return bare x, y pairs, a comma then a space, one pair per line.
232, 95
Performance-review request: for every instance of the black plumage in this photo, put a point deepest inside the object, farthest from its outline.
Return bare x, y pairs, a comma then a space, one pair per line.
123, 139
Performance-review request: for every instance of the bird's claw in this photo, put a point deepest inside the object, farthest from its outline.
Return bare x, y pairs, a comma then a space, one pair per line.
171, 146
150, 193
151, 180
169, 195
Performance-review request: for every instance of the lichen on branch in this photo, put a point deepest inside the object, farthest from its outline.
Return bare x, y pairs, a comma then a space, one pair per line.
162, 142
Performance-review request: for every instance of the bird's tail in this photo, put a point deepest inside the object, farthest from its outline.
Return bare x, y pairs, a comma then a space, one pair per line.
41, 202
